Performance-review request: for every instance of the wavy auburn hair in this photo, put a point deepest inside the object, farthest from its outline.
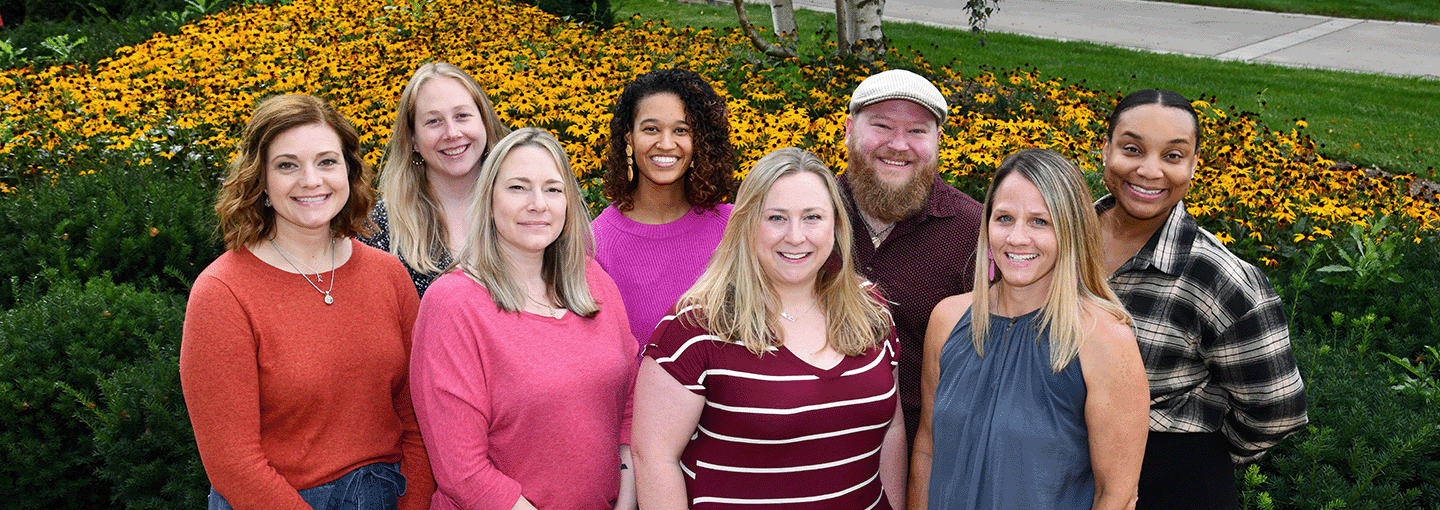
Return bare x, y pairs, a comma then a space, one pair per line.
244, 220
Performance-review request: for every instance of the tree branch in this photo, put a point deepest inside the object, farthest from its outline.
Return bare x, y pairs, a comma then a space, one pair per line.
774, 50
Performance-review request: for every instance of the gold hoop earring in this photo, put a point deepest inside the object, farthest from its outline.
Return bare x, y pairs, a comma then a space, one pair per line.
629, 163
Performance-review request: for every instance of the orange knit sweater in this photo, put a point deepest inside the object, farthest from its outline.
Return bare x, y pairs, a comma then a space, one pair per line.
286, 392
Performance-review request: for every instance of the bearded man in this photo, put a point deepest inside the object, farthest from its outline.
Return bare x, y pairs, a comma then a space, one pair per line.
914, 233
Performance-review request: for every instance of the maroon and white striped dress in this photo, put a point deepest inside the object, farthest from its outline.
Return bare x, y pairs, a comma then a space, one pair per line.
777, 432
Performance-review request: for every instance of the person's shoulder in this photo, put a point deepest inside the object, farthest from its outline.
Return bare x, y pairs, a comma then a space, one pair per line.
599, 280
380, 264
1211, 256
954, 197
455, 285
952, 308
1106, 324
1107, 336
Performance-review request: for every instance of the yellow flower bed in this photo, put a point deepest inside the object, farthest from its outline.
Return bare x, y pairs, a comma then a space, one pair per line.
153, 104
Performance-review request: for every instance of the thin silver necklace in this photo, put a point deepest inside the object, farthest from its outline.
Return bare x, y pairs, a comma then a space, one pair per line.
785, 315
328, 299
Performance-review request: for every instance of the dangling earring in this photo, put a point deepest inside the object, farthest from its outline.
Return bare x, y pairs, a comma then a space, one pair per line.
267, 200
416, 160
991, 255
629, 163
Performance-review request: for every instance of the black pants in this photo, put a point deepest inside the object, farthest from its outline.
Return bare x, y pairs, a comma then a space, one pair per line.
1185, 471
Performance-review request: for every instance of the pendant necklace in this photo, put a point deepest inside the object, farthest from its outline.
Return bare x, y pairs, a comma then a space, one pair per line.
328, 299
550, 311
875, 237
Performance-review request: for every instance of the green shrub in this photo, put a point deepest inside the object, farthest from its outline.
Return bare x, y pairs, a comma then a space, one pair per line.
1368, 446
595, 12
141, 225
142, 433
72, 338
1365, 306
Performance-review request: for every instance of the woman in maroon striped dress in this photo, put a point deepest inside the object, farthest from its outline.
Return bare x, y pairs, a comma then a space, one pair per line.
772, 382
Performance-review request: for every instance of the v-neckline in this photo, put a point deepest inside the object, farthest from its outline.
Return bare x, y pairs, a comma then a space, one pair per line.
823, 373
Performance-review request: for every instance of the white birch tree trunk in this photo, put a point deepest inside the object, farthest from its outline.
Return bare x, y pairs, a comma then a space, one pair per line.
845, 26
782, 14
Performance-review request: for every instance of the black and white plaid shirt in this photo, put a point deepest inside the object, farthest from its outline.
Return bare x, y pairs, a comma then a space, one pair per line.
1213, 335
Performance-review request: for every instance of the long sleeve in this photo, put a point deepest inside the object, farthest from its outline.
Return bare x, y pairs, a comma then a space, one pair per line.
220, 377
452, 403
420, 483
1256, 366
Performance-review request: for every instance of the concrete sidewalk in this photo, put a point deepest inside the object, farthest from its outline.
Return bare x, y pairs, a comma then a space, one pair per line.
1300, 40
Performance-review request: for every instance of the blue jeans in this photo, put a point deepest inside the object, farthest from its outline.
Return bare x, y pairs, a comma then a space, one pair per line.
376, 486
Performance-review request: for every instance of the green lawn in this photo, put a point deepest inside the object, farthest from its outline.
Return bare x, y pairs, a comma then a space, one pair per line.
1360, 118
1422, 11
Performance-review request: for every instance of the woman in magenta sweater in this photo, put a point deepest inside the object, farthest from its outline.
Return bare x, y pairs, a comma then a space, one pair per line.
524, 364
669, 166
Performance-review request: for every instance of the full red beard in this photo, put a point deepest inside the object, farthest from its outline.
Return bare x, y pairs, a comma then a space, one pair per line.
890, 203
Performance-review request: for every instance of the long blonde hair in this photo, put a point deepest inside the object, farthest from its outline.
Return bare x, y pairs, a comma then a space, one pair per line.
565, 260
417, 235
738, 302
1077, 236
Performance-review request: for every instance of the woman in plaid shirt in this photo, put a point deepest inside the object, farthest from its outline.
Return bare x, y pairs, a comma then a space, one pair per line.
1224, 386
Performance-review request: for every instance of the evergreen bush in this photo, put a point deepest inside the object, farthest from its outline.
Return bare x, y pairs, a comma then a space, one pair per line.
142, 433
53, 348
596, 12
140, 225
1368, 446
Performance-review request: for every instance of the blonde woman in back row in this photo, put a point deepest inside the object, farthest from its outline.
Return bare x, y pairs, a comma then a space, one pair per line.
445, 127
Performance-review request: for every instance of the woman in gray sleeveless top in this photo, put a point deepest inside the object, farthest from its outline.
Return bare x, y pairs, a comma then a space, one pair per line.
1034, 394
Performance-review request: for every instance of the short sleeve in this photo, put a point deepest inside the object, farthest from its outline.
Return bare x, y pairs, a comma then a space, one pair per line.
683, 350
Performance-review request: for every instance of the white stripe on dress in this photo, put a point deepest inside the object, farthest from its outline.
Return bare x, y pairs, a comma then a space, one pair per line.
789, 469
784, 501
801, 439
802, 409
755, 376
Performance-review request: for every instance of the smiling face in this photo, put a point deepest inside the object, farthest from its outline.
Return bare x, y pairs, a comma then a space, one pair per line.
1149, 161
529, 201
661, 139
306, 178
449, 133
796, 231
893, 149
1022, 234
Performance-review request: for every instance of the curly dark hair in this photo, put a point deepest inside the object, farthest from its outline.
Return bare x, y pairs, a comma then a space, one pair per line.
711, 177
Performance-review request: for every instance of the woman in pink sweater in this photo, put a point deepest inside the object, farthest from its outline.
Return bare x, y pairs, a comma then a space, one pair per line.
524, 363
669, 167
297, 340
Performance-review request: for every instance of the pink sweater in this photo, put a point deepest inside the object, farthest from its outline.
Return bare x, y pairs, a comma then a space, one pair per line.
286, 392
521, 404
654, 264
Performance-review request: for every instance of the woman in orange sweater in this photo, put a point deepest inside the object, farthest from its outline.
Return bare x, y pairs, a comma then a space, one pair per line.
298, 390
